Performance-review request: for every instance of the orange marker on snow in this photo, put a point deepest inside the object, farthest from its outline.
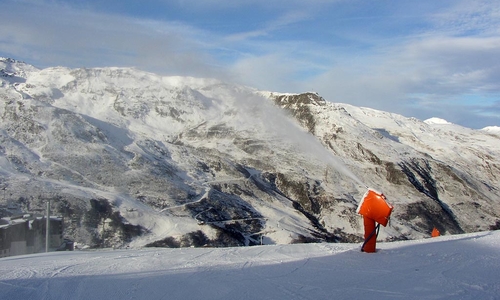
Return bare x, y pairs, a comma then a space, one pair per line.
435, 232
374, 208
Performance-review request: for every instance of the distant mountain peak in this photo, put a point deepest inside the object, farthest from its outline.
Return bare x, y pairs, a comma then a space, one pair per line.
492, 129
438, 121
15, 69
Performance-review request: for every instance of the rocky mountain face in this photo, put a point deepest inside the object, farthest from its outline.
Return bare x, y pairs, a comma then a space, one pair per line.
130, 158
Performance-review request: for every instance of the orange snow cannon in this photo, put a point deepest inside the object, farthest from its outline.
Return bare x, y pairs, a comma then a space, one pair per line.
374, 208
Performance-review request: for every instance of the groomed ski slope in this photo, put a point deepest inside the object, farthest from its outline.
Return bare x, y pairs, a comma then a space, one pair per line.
448, 267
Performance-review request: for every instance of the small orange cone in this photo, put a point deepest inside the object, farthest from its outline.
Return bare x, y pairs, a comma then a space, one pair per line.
435, 232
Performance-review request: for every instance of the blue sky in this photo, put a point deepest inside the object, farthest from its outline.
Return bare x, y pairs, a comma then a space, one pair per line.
420, 59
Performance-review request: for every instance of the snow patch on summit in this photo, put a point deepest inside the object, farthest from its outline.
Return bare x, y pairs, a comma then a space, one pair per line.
437, 121
492, 129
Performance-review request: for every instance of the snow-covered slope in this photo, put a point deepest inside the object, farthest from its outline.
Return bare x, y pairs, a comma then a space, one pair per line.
131, 158
453, 267
436, 173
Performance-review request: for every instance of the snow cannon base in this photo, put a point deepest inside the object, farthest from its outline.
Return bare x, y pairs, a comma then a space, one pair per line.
374, 206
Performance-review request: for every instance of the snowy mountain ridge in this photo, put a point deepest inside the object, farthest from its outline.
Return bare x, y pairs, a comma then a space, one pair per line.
132, 159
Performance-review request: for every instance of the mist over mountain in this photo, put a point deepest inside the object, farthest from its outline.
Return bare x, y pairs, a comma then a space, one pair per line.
131, 158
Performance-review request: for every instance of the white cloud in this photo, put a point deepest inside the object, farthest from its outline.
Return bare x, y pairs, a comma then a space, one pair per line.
435, 75
267, 29
266, 71
481, 17
53, 34
450, 71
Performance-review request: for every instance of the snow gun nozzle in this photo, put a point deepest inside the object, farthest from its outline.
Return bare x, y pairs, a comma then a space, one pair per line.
374, 205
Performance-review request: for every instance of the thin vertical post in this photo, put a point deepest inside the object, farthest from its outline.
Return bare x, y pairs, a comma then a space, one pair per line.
47, 228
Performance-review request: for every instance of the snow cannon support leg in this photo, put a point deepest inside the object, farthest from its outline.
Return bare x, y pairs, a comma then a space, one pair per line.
370, 243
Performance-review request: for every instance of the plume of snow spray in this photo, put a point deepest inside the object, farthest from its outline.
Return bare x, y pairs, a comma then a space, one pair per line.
268, 118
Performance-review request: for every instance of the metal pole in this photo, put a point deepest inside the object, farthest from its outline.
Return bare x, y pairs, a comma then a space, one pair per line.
47, 228
103, 223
